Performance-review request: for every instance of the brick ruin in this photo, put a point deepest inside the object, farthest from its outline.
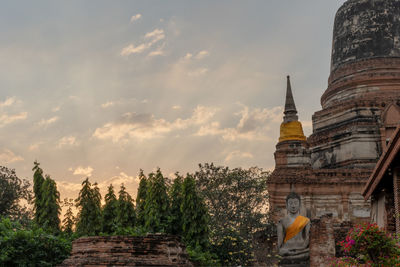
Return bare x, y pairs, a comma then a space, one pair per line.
149, 250
360, 111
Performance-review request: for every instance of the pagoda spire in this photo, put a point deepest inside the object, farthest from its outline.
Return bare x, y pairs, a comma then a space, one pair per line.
290, 107
291, 128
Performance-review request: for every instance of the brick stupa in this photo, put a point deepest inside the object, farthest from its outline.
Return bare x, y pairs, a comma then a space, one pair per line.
360, 111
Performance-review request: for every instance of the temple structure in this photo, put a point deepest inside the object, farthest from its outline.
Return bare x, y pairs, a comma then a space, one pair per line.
360, 112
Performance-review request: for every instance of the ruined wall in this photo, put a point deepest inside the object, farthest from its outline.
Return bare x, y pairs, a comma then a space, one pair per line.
150, 250
336, 192
322, 241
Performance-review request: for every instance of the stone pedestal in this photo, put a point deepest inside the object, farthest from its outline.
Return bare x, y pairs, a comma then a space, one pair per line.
294, 263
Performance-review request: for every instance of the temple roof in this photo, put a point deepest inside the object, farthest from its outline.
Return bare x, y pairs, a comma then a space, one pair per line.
384, 163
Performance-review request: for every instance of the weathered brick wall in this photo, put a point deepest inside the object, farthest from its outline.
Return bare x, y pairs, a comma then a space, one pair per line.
340, 233
322, 241
150, 250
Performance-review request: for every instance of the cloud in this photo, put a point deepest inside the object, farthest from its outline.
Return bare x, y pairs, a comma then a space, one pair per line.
45, 123
7, 156
146, 126
252, 119
34, 146
56, 109
197, 72
176, 107
70, 189
8, 102
202, 54
121, 178
86, 172
136, 17
7, 119
131, 49
107, 104
253, 125
188, 56
238, 155
67, 141
158, 52
150, 39
155, 36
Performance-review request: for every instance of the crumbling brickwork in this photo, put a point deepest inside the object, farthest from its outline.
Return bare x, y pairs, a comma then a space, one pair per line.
149, 250
360, 111
322, 241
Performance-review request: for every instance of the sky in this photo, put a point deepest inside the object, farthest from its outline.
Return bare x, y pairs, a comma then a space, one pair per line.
102, 89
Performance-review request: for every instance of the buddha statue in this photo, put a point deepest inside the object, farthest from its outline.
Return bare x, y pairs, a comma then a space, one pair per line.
293, 234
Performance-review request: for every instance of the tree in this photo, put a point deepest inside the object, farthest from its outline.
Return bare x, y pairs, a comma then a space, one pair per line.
38, 181
89, 205
176, 196
110, 212
69, 218
12, 191
50, 206
126, 215
156, 208
194, 216
141, 199
237, 201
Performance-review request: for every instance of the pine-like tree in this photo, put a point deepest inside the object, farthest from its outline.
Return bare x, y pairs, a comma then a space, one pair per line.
176, 196
195, 216
49, 216
141, 199
89, 205
38, 181
126, 215
110, 212
156, 208
69, 218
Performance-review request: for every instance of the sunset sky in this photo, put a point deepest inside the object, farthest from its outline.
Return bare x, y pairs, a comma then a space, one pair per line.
104, 88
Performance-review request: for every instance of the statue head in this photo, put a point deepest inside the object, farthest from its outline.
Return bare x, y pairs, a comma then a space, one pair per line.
293, 203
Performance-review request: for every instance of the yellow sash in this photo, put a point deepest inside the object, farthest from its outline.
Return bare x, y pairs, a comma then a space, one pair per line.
296, 227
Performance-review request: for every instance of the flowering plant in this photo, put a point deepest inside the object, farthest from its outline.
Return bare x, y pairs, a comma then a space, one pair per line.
368, 245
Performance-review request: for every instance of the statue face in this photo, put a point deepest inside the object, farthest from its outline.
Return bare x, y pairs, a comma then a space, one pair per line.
293, 205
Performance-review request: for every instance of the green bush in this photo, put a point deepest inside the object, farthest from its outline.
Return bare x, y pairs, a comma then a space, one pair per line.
200, 257
233, 249
31, 247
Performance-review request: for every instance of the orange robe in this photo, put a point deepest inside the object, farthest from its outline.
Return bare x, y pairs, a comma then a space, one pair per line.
296, 227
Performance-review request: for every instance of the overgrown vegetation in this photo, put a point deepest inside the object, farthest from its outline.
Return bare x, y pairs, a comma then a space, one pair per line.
216, 211
31, 246
368, 245
237, 201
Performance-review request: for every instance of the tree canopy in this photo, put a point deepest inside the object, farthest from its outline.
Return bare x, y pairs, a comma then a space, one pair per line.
156, 208
13, 190
237, 202
89, 206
